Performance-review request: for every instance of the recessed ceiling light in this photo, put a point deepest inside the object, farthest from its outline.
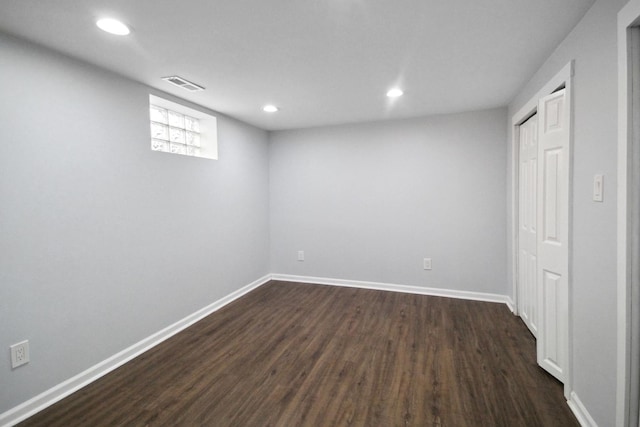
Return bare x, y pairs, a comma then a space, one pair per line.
394, 93
270, 108
113, 26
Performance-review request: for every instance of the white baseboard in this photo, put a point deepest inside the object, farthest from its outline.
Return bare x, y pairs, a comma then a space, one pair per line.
62, 390
475, 296
579, 410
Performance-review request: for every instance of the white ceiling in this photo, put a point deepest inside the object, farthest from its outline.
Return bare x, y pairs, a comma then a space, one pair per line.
321, 61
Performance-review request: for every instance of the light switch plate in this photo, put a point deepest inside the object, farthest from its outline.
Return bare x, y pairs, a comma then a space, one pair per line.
598, 188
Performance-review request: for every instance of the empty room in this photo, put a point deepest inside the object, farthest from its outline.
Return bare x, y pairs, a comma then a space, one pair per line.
320, 213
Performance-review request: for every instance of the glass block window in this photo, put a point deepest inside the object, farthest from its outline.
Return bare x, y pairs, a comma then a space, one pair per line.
179, 129
174, 132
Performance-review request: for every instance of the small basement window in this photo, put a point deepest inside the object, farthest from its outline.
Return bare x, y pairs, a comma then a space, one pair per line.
182, 130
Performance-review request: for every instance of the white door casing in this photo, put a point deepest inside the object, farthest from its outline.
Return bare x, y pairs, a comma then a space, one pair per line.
553, 232
527, 224
628, 309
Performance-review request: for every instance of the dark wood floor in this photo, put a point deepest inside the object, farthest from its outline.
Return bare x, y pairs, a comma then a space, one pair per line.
308, 355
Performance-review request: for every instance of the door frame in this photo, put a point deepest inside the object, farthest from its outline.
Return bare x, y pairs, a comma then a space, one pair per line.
563, 78
628, 360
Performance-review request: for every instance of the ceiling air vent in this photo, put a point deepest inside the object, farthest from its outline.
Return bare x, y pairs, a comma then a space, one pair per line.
184, 84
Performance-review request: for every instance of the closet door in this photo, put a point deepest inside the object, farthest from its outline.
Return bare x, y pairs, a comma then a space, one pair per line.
553, 233
527, 230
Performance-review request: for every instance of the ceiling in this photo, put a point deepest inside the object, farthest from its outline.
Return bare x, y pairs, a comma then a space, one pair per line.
320, 61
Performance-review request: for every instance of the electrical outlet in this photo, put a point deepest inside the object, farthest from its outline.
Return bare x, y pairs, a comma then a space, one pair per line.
20, 354
427, 263
300, 255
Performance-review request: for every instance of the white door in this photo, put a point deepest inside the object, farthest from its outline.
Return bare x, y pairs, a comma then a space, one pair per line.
527, 226
553, 233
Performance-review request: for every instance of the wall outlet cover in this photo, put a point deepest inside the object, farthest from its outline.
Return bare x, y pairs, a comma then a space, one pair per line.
19, 354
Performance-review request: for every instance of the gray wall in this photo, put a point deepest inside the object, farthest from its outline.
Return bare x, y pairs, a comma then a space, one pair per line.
370, 201
593, 45
103, 242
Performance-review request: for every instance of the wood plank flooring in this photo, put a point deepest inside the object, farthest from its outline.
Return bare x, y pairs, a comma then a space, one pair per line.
291, 354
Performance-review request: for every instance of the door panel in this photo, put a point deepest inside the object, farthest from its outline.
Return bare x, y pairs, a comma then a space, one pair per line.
551, 168
527, 240
553, 236
551, 290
